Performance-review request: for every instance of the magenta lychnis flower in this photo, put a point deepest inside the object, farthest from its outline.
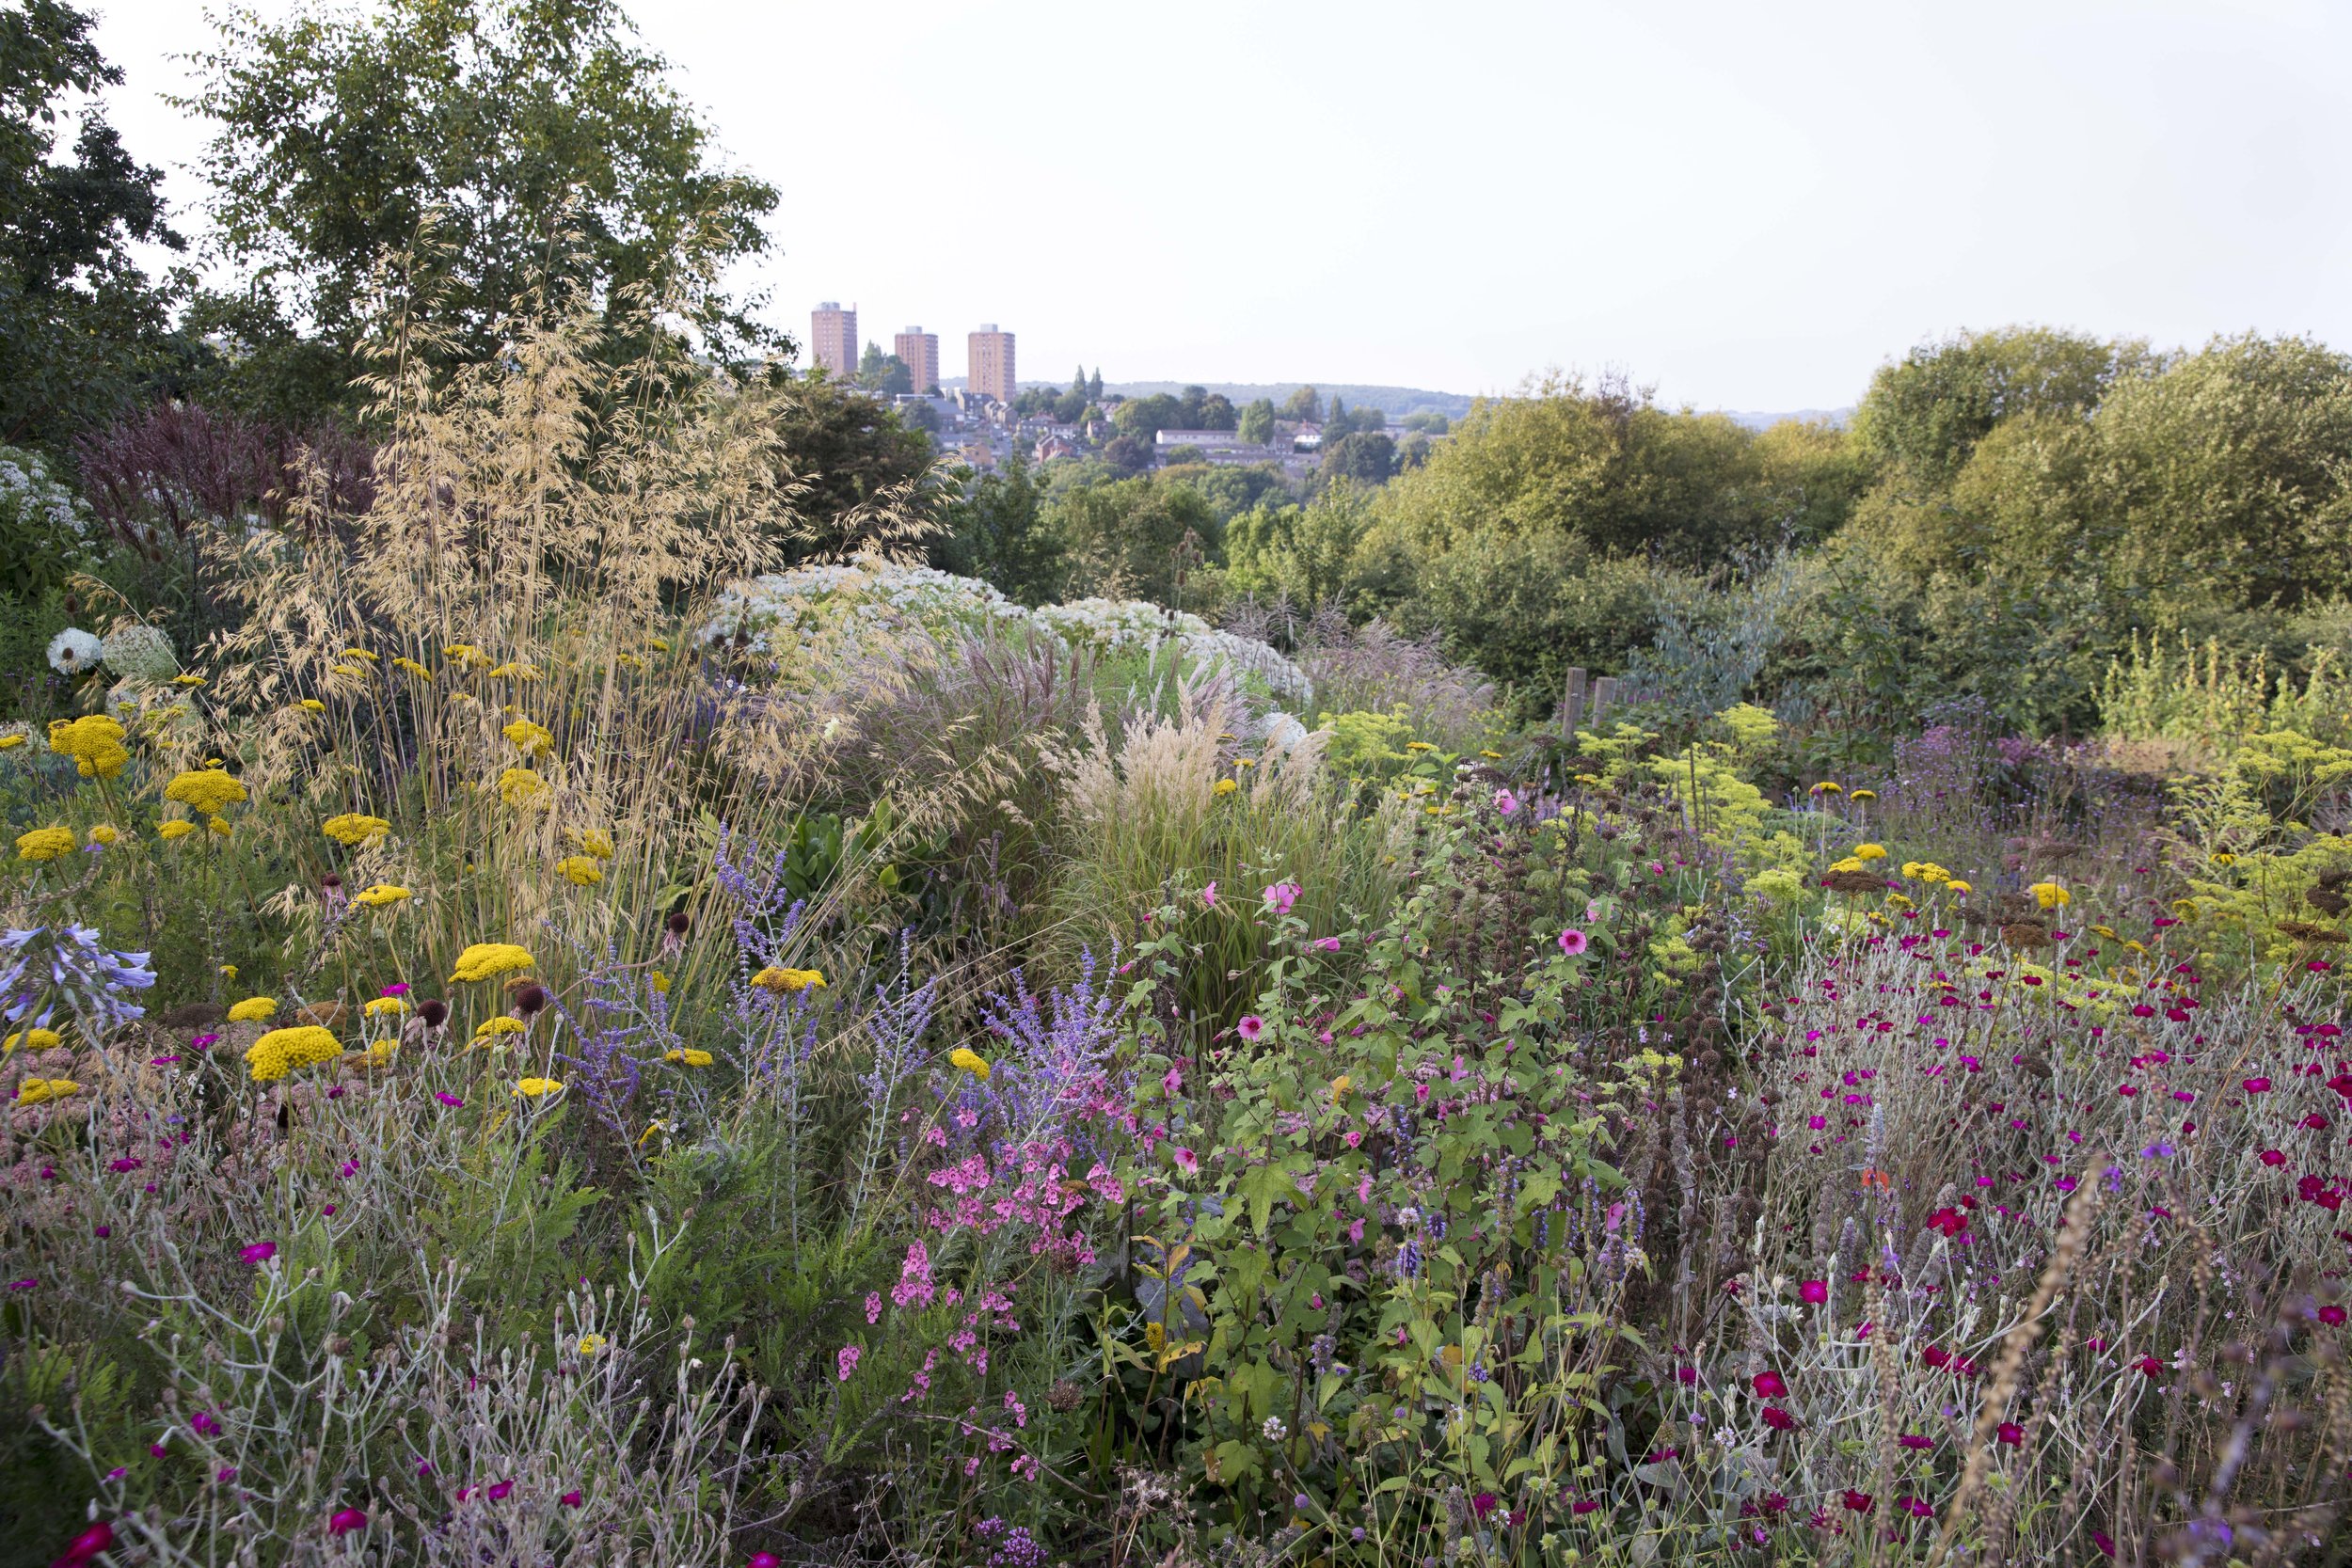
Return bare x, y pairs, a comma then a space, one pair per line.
344, 1520
259, 1252
1814, 1292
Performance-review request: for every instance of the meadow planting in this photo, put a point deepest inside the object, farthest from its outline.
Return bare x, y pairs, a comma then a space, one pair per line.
562, 1031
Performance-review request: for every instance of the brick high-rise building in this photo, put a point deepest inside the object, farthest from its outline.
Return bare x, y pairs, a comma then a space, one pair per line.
991, 367
833, 338
920, 350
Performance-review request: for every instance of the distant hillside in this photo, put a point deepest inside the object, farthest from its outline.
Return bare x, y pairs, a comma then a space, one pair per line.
1397, 400
1836, 416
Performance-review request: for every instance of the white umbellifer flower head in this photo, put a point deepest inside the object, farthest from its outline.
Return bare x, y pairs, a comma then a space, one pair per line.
72, 651
140, 652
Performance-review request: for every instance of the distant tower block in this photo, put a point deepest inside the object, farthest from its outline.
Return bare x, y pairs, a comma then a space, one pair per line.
920, 350
833, 338
990, 369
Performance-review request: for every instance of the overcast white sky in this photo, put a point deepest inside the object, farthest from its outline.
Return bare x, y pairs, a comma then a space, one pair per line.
1749, 205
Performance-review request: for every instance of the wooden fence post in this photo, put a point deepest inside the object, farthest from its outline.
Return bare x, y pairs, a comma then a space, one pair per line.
1572, 701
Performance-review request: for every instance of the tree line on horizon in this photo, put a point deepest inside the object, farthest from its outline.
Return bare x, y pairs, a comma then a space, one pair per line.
2005, 510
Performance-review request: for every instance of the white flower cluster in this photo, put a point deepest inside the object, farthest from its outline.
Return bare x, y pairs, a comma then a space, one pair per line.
72, 651
833, 613
140, 652
814, 610
28, 492
1140, 623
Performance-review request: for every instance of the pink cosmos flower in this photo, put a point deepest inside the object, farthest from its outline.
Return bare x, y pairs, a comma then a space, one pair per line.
846, 1362
1281, 895
1573, 942
259, 1252
1252, 1026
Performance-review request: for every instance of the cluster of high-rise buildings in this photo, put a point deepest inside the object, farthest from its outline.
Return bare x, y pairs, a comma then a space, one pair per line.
833, 342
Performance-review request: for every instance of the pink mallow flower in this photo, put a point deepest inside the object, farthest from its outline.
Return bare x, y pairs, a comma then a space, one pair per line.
1252, 1026
1187, 1162
1281, 895
1505, 801
1572, 942
1208, 896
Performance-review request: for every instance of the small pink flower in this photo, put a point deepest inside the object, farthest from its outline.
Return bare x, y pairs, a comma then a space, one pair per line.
873, 1307
1252, 1026
1187, 1162
570, 1499
846, 1362
1327, 944
203, 1040
765, 1560
259, 1252
398, 988
499, 1490
344, 1520
204, 1424
1172, 1081
448, 1099
1208, 896
1572, 942
1281, 895
1813, 1292
1505, 801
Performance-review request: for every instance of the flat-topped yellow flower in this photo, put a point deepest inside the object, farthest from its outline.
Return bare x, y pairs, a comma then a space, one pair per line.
520, 787
1851, 863
2050, 895
970, 1060
353, 829
485, 959
515, 669
40, 1091
379, 1007
311, 705
381, 895
360, 653
686, 1056
1956, 885
44, 843
208, 790
404, 662
535, 1088
10, 742
580, 870
217, 826
1869, 851
1224, 787
776, 979
169, 831
491, 1028
531, 739
279, 1052
32, 1039
254, 1010
93, 741
596, 842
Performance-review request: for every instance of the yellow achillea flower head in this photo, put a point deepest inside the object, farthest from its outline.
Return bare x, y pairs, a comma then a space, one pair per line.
1869, 851
686, 1056
591, 1344
168, 830
253, 1009
1828, 786
40, 1091
352, 670
279, 1052
381, 895
1224, 787
404, 662
533, 1088
2050, 895
485, 959
774, 979
465, 653
491, 1028
210, 791
10, 742
378, 1006
515, 669
359, 653
44, 843
353, 829
660, 982
106, 834
1864, 795
32, 1039
971, 1061
187, 680
596, 842
311, 705
580, 870
217, 826
1849, 864
520, 787
94, 743
1418, 746
531, 739
1956, 885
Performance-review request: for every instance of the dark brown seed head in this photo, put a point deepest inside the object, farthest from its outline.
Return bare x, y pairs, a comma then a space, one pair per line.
434, 1011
